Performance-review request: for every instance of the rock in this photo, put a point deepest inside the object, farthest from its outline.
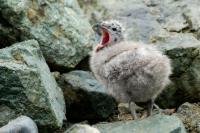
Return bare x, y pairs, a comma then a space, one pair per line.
166, 16
154, 124
86, 99
27, 87
56, 75
22, 124
80, 128
64, 35
134, 15
171, 25
184, 50
190, 115
93, 10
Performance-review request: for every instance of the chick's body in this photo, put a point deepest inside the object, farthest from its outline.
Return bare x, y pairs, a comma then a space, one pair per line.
131, 71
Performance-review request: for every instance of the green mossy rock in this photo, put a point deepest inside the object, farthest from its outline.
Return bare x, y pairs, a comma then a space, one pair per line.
64, 35
184, 52
27, 87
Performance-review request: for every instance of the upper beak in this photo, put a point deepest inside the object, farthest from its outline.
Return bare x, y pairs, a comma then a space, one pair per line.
97, 28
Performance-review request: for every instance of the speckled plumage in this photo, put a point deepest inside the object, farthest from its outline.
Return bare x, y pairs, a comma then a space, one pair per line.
131, 71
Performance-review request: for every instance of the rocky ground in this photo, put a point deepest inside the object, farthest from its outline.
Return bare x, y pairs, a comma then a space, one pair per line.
45, 78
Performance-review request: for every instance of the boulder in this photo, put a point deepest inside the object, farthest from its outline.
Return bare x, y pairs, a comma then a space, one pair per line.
27, 87
22, 124
82, 128
153, 124
64, 35
190, 115
85, 97
183, 49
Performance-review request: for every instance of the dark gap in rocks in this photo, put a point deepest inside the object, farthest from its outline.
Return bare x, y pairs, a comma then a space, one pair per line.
3, 21
47, 129
8, 34
84, 64
81, 109
57, 68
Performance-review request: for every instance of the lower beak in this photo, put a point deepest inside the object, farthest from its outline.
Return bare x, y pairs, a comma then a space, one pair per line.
98, 47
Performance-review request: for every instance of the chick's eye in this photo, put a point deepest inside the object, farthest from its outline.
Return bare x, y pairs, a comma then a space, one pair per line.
114, 29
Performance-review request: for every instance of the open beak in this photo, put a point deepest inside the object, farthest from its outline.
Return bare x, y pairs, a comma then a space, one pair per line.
101, 30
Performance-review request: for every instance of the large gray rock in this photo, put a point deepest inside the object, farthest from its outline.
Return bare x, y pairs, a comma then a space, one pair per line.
27, 87
85, 97
64, 35
173, 26
154, 124
82, 128
190, 115
22, 124
177, 15
145, 19
94, 10
139, 23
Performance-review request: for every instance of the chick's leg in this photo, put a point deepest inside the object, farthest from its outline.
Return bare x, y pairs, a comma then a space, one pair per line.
150, 105
132, 107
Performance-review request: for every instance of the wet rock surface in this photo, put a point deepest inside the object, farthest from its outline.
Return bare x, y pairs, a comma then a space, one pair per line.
27, 86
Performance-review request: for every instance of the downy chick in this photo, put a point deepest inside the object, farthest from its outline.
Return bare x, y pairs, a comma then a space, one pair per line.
131, 71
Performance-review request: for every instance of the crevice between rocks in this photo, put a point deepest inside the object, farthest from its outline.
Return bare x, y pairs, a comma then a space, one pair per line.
8, 34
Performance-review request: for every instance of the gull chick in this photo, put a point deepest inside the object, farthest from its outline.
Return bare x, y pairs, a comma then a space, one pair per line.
131, 71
